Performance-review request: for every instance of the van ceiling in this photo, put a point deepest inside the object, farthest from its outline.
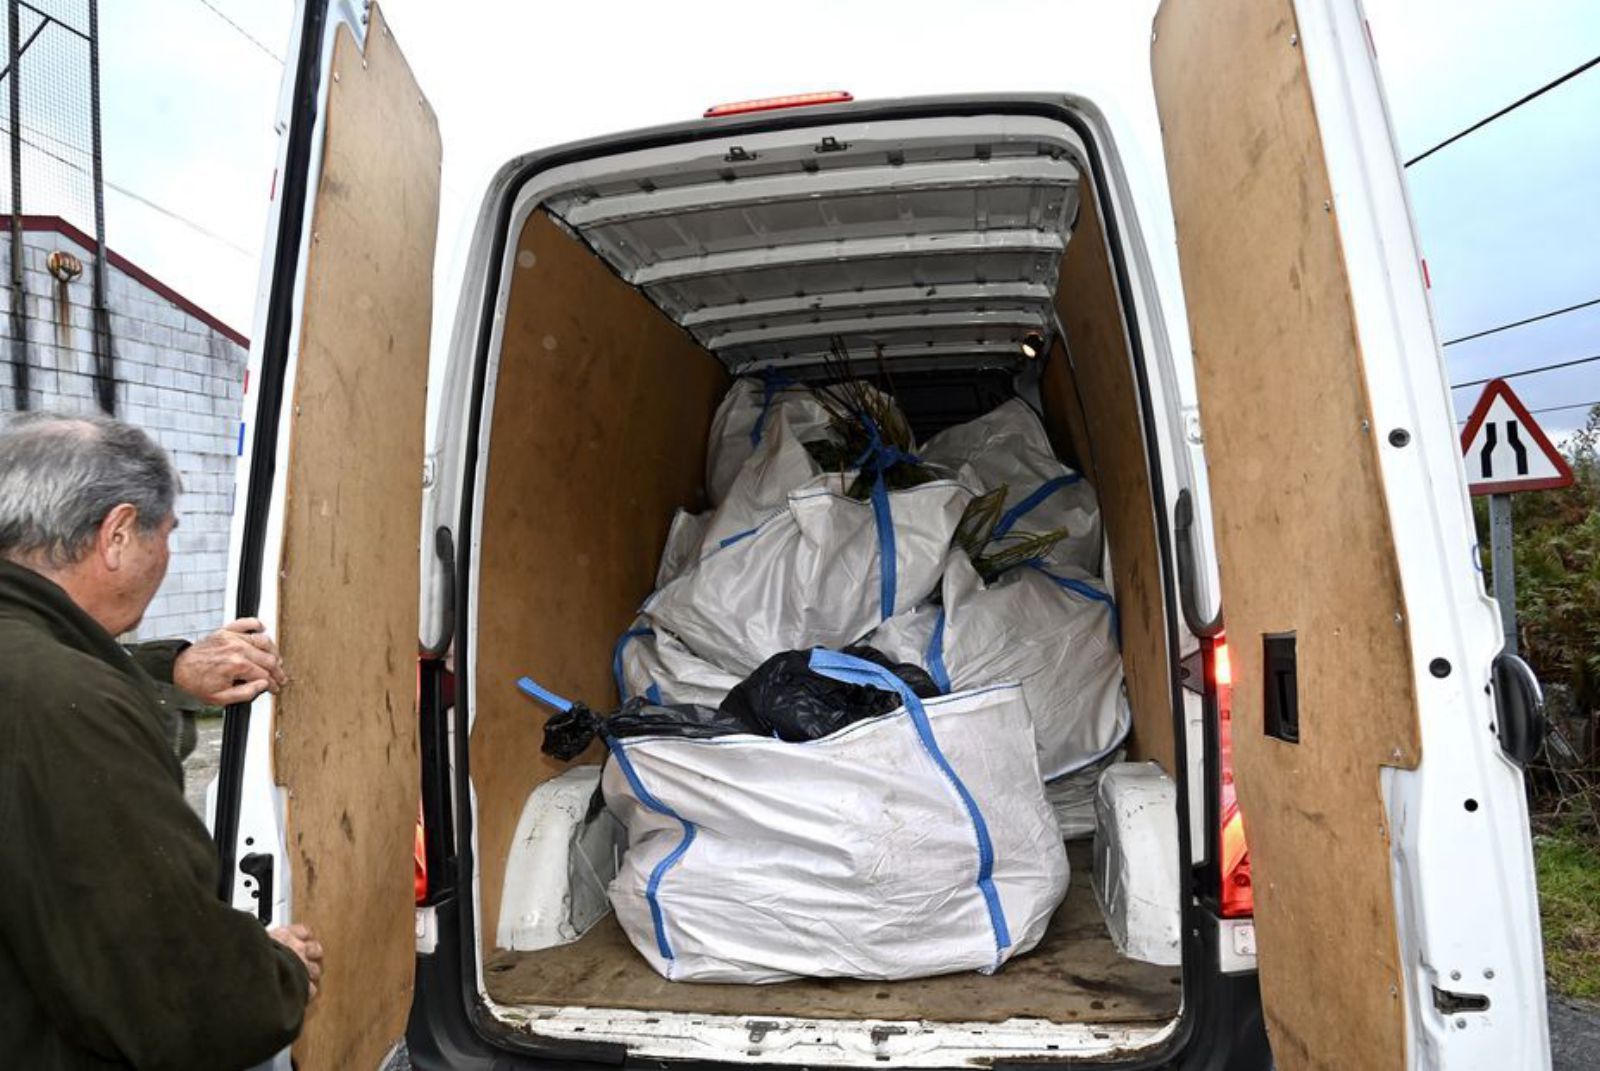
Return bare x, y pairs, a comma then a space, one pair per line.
939, 250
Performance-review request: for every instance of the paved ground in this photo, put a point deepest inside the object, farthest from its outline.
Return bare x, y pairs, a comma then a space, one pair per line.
1574, 1035
201, 765
1574, 1026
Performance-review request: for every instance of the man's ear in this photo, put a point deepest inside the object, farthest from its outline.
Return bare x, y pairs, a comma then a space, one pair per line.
116, 535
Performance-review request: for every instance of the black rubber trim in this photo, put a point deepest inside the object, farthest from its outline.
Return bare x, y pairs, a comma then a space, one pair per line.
1189, 571
269, 410
1219, 1011
435, 701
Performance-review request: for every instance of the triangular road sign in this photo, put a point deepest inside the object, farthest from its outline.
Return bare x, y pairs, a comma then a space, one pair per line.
1505, 450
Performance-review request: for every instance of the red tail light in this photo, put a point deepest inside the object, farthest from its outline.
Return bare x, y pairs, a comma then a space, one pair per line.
1237, 895
419, 853
768, 104
419, 846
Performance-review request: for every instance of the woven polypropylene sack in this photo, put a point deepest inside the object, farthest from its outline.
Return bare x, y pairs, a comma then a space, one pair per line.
853, 856
813, 575
739, 425
655, 664
1050, 630
1008, 445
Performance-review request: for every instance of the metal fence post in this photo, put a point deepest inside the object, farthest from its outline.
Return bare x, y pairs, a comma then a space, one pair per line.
19, 298
104, 364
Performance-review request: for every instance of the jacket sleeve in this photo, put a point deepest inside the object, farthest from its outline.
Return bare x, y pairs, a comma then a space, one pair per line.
157, 657
110, 905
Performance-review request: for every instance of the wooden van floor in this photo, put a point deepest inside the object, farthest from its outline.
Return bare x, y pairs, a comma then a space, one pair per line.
1075, 974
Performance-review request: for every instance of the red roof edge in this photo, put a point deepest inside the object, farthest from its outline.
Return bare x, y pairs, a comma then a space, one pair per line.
128, 267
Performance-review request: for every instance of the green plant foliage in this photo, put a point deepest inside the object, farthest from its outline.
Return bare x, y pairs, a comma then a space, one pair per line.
1569, 907
1557, 545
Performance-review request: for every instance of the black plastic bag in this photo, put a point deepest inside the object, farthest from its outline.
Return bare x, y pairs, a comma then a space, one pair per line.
787, 699
568, 732
783, 698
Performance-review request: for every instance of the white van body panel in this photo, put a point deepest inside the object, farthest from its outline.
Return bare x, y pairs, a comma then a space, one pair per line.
1468, 917
261, 808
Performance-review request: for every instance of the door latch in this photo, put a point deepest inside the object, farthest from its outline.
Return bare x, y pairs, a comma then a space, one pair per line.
258, 865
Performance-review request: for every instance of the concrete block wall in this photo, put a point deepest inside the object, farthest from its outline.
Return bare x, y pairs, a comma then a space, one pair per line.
178, 376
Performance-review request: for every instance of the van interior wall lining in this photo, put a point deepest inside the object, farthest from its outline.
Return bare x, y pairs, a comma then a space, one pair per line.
600, 418
1091, 409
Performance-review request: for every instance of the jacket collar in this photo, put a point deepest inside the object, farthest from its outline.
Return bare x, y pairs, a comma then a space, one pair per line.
30, 596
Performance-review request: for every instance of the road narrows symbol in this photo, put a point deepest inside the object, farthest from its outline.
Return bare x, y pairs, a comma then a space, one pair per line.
1487, 454
1516, 444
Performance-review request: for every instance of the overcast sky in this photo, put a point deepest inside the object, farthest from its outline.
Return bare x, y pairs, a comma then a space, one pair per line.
1508, 216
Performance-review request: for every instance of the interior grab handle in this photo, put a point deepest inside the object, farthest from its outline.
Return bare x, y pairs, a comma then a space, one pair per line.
1188, 574
1519, 708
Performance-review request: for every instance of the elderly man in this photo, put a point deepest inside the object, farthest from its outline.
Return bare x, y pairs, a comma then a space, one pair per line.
114, 948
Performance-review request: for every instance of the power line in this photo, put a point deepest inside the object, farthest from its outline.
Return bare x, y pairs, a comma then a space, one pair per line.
1558, 408
187, 222
1526, 371
241, 31
1481, 123
191, 224
1519, 323
1555, 409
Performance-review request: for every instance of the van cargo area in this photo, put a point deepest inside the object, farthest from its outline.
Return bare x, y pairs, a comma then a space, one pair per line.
966, 256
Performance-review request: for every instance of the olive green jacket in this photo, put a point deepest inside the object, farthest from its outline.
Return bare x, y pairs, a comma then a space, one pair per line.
114, 948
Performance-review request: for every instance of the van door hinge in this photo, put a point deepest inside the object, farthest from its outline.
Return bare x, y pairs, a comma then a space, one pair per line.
1191, 674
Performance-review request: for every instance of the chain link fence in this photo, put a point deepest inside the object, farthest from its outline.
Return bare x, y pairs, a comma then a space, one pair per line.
50, 116
53, 135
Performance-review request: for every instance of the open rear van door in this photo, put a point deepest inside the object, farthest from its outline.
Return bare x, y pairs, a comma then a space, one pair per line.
316, 807
1394, 898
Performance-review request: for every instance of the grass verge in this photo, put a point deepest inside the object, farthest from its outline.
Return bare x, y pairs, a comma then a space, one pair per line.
1568, 865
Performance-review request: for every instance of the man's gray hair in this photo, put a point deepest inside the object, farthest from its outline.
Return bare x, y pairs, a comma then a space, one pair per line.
60, 475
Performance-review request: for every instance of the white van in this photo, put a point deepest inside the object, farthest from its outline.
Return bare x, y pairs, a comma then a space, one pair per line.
1272, 440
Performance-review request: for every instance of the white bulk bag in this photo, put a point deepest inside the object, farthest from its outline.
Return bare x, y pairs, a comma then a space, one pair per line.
683, 545
1136, 862
779, 465
911, 844
1050, 630
740, 422
821, 573
1072, 797
1008, 445
656, 665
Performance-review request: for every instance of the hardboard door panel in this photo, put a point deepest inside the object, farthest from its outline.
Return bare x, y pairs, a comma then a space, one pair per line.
1302, 526
346, 746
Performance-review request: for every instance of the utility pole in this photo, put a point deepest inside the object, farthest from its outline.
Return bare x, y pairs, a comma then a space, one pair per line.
1502, 560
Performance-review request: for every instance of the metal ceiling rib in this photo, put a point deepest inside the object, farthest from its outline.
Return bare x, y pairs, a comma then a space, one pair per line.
849, 250
921, 323
951, 253
885, 297
1033, 171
